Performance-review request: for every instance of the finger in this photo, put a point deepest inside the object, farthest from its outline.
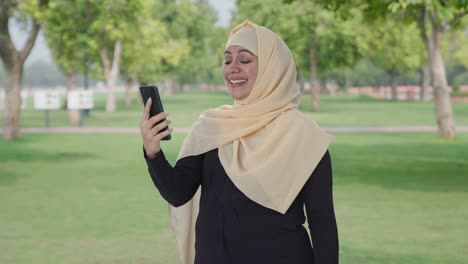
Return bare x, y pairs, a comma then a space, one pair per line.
159, 127
157, 118
165, 133
143, 121
146, 110
148, 105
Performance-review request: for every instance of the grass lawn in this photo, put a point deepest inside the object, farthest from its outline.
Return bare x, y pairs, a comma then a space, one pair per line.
399, 198
343, 110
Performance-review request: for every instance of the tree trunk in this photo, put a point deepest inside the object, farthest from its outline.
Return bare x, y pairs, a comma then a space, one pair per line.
394, 84
333, 87
132, 82
178, 87
347, 79
111, 72
168, 87
314, 82
11, 115
13, 61
73, 114
443, 105
323, 86
425, 81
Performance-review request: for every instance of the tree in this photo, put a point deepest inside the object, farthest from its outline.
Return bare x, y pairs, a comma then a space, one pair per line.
320, 41
108, 30
150, 49
440, 18
65, 33
13, 60
395, 48
111, 27
434, 18
195, 22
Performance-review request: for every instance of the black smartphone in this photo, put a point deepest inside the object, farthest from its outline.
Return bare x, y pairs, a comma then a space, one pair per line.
151, 91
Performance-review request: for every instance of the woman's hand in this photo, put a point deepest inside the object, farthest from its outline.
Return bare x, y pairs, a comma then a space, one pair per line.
150, 131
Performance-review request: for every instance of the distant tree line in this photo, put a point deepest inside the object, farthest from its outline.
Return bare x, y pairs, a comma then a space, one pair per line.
43, 74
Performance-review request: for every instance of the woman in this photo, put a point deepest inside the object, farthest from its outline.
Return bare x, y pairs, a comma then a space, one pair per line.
259, 162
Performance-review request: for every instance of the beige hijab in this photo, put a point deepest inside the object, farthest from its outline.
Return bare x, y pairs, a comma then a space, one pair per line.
267, 147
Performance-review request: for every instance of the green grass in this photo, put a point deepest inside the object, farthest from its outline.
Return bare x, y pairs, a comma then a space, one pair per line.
399, 198
184, 108
352, 110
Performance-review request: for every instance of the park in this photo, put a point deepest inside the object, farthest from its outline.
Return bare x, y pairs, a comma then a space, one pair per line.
78, 191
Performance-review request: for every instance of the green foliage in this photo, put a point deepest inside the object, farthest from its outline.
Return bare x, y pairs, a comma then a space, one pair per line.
65, 32
366, 73
456, 44
445, 10
36, 9
109, 22
76, 29
339, 43
396, 47
149, 48
195, 23
460, 79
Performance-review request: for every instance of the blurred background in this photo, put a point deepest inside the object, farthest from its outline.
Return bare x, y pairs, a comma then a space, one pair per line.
388, 78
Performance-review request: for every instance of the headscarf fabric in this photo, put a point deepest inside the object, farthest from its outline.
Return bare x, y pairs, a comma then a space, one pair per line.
267, 147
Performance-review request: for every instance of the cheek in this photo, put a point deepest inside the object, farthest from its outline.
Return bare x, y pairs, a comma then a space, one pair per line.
253, 73
224, 72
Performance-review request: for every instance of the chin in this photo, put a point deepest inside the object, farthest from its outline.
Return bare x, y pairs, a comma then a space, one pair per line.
237, 96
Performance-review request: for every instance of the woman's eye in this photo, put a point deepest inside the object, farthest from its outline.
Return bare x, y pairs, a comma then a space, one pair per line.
246, 61
227, 62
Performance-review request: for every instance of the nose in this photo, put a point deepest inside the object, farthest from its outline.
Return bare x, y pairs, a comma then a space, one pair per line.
233, 67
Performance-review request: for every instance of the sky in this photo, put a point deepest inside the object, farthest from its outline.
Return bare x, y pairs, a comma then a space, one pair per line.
41, 51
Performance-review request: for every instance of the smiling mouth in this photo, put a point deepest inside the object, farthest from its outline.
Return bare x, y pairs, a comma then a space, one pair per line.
237, 81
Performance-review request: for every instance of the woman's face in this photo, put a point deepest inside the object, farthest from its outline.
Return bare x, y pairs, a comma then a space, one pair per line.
239, 71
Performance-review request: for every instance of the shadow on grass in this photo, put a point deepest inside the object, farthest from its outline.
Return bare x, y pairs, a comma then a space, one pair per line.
24, 155
9, 159
351, 256
421, 167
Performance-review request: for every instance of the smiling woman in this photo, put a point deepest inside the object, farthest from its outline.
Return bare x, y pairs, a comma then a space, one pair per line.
259, 162
239, 71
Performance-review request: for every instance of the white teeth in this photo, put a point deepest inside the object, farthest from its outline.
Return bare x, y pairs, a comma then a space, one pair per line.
237, 81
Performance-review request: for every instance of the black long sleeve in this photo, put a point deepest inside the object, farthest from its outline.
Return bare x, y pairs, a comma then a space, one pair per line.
318, 198
231, 228
177, 184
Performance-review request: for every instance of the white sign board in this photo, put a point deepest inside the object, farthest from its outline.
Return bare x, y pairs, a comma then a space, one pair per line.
46, 100
80, 100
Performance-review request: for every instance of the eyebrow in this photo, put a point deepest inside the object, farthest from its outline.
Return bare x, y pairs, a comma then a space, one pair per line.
241, 50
